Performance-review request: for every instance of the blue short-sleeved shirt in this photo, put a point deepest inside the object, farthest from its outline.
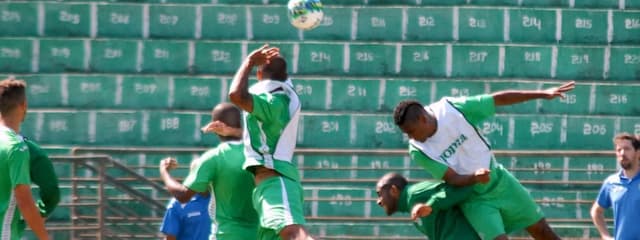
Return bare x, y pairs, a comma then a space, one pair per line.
623, 195
188, 221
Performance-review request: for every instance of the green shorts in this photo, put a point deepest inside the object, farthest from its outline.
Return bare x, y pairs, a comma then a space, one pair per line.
278, 201
505, 208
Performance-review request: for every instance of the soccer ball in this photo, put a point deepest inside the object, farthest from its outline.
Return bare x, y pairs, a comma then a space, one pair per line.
305, 14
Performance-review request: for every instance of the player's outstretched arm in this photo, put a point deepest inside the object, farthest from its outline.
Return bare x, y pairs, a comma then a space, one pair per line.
29, 211
597, 215
509, 97
239, 91
458, 180
177, 190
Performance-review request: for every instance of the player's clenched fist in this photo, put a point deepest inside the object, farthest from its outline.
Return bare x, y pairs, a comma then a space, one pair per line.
168, 163
482, 175
420, 210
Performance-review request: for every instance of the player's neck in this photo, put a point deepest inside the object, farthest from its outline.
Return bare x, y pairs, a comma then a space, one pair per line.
13, 124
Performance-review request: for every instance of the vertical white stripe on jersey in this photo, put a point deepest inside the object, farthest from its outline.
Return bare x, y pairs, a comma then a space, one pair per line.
8, 217
288, 218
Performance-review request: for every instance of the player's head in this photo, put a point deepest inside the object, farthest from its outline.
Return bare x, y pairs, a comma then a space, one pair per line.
627, 153
388, 189
413, 120
275, 69
13, 99
228, 114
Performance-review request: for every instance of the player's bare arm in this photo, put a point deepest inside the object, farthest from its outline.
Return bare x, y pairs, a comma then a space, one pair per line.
222, 129
597, 215
239, 91
420, 210
179, 191
29, 211
510, 97
455, 179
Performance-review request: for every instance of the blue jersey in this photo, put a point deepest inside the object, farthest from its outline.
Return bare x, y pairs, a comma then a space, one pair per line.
188, 221
623, 195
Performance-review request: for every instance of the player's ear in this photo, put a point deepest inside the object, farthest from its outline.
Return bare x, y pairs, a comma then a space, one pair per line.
395, 192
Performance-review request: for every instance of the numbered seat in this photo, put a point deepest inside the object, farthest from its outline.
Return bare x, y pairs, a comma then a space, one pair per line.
326, 166
495, 2
165, 56
617, 99
536, 168
591, 168
114, 56
16, 55
527, 62
18, 18
286, 50
480, 25
62, 55
379, 24
67, 19
624, 63
172, 21
397, 90
324, 131
224, 22
320, 59
313, 94
630, 125
116, 128
632, 4
475, 61
271, 23
362, 95
544, 3
575, 102
580, 63
538, 132
532, 25
199, 93
377, 132
429, 24
65, 127
524, 107
141, 92
342, 203
376, 166
44, 91
553, 203
584, 26
591, 132
170, 129
423, 61
218, 57
596, 4
120, 20
497, 131
91, 91
335, 25
371, 59
626, 27
457, 88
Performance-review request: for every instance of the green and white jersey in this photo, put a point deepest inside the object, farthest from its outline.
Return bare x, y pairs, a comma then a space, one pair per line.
271, 129
44, 175
14, 170
456, 144
221, 168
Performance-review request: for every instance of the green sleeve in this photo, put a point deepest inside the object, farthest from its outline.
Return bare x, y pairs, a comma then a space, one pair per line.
475, 108
449, 196
43, 174
271, 107
202, 175
435, 168
19, 165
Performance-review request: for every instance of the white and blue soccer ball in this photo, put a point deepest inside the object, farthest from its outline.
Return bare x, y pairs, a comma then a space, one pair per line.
305, 14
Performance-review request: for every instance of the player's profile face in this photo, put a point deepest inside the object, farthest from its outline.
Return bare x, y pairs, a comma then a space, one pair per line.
416, 130
386, 199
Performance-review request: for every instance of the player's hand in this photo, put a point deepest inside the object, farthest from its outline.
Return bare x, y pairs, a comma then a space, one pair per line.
559, 91
168, 164
221, 129
420, 210
482, 175
263, 55
607, 238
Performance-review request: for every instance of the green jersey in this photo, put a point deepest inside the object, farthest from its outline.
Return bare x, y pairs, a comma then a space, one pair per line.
43, 174
271, 128
14, 170
457, 144
221, 168
446, 221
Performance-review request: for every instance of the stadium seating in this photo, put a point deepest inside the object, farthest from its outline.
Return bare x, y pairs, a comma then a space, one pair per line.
136, 79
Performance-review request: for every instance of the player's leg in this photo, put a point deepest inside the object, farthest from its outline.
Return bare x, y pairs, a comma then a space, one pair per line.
542, 230
484, 218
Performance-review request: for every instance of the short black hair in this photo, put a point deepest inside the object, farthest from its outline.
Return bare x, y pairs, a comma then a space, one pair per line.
276, 69
228, 114
407, 111
12, 93
635, 141
393, 179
